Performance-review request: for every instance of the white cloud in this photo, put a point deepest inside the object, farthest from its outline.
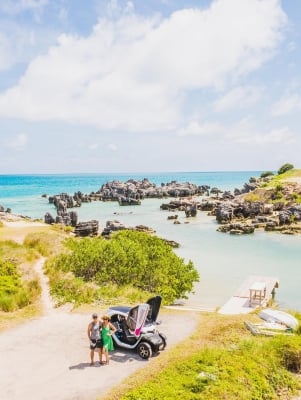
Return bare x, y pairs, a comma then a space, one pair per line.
112, 147
131, 73
5, 52
197, 128
286, 105
20, 44
18, 6
239, 97
93, 146
245, 133
18, 142
292, 46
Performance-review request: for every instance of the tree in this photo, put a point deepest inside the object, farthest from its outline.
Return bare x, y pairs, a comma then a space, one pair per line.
284, 168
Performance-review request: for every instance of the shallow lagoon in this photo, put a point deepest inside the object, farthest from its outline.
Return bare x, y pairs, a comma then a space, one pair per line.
224, 261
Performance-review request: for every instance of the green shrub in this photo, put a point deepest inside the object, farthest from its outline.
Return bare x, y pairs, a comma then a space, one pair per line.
14, 293
284, 168
130, 258
266, 174
7, 303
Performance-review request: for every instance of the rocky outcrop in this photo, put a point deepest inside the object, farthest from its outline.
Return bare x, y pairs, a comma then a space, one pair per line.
128, 201
236, 228
290, 215
48, 219
8, 210
191, 211
139, 190
114, 226
89, 228
172, 243
172, 217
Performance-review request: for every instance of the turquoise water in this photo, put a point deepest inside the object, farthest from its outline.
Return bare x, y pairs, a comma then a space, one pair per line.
223, 261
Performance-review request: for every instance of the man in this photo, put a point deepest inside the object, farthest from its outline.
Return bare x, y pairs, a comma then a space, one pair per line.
94, 335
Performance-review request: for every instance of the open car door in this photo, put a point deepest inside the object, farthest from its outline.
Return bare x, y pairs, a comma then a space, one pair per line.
154, 308
136, 318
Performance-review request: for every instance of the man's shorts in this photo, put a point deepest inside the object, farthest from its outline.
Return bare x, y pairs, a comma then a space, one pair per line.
96, 344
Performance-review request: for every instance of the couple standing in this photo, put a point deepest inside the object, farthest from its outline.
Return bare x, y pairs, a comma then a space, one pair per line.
100, 336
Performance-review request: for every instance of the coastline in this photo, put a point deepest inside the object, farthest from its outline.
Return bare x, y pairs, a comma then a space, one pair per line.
223, 261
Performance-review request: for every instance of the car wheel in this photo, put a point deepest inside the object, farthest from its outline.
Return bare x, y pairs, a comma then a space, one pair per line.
164, 341
144, 350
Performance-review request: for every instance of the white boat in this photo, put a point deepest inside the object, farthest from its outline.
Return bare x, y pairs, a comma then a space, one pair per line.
271, 315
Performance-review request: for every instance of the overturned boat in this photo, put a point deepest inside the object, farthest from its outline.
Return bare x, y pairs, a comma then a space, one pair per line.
281, 317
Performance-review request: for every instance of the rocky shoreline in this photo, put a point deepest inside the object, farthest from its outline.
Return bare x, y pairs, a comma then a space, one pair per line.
255, 206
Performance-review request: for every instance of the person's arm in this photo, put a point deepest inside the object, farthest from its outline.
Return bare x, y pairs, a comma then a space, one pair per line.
89, 332
112, 327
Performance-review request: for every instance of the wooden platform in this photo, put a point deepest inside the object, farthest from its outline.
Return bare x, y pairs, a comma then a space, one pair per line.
256, 291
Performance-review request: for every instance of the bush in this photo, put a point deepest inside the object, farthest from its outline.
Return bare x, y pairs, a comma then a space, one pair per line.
284, 168
15, 294
130, 258
266, 174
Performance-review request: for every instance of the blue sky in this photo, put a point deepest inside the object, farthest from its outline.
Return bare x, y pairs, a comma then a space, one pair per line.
156, 85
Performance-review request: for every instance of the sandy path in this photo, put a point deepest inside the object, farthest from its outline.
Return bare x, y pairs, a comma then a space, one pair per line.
48, 358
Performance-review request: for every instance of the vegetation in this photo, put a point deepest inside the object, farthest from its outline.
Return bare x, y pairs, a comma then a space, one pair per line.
285, 168
221, 361
129, 259
45, 243
15, 293
252, 197
266, 174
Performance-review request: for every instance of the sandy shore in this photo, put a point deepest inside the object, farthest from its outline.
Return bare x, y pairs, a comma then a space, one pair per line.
16, 228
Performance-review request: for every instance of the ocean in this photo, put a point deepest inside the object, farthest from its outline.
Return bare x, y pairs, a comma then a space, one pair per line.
223, 261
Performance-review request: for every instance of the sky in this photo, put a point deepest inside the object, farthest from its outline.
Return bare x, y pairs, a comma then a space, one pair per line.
149, 85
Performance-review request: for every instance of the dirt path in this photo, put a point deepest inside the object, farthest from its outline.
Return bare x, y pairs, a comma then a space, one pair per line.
48, 358
47, 302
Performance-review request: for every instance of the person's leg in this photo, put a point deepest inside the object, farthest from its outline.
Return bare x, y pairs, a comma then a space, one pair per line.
100, 355
106, 353
92, 356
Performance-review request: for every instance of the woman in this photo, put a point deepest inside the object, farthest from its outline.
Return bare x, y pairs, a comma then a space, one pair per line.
106, 334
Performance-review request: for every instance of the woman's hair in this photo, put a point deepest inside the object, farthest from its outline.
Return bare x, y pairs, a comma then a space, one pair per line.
105, 317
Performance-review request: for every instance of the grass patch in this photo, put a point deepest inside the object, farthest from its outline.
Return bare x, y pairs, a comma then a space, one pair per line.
277, 179
47, 243
16, 253
221, 360
15, 293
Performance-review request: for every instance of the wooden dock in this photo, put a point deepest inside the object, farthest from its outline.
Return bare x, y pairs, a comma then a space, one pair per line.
256, 291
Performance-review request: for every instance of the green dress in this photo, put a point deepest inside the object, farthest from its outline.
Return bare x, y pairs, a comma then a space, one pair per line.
106, 338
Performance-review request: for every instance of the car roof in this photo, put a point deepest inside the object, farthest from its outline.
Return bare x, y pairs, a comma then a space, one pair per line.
122, 309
